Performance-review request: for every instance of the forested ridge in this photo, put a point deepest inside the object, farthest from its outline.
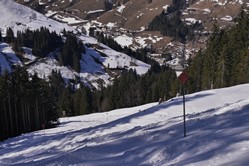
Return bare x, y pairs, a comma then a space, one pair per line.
29, 103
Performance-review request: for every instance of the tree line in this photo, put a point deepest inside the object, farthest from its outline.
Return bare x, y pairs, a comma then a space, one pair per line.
42, 41
130, 89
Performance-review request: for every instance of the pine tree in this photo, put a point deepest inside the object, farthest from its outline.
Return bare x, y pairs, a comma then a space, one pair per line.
83, 101
19, 42
76, 61
1, 37
66, 103
10, 35
195, 72
56, 83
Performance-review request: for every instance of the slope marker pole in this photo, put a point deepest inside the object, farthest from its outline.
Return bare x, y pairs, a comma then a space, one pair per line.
184, 112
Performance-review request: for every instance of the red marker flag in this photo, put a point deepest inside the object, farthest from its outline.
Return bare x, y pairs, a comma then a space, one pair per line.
183, 78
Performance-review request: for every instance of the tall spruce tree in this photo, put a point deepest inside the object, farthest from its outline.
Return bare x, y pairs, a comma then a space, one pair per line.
66, 103
10, 35
1, 37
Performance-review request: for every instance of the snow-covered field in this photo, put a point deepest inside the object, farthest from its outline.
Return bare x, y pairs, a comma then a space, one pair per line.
152, 134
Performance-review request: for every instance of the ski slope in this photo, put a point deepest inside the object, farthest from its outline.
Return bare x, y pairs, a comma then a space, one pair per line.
151, 135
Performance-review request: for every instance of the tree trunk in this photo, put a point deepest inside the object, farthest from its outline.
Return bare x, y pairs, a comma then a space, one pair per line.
6, 118
37, 116
26, 115
16, 116
10, 114
23, 117
29, 123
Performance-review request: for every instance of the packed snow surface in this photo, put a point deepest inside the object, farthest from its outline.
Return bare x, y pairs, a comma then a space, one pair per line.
217, 134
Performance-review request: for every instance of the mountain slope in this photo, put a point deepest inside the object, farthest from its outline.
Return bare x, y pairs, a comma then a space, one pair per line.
129, 19
73, 11
7, 58
19, 17
134, 14
221, 12
94, 62
217, 134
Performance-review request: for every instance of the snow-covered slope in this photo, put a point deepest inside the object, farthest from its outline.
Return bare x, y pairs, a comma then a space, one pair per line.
217, 134
19, 17
93, 64
7, 58
92, 73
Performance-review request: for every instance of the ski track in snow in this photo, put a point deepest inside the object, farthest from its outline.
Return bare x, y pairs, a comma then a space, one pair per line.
152, 134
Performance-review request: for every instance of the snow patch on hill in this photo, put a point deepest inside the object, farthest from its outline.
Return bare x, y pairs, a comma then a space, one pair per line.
10, 54
124, 40
95, 11
28, 55
4, 65
8, 59
120, 60
68, 20
121, 8
44, 67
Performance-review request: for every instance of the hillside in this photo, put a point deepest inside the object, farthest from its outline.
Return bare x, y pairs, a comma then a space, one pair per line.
129, 20
208, 12
134, 14
217, 134
135, 17
94, 62
20, 18
77, 10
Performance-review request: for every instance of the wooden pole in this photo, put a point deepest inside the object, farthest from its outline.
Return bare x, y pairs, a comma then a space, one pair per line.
184, 112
